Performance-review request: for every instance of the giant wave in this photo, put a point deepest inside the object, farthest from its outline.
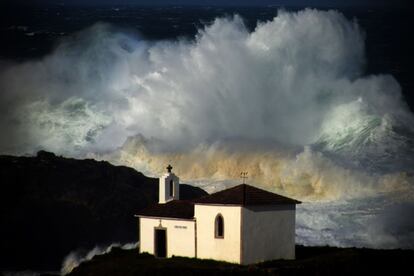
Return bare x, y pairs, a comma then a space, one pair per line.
288, 102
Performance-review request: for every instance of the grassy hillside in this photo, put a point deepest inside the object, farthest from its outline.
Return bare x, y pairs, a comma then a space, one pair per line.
310, 261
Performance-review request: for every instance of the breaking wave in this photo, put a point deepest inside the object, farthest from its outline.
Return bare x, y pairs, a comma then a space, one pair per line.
306, 174
288, 102
75, 258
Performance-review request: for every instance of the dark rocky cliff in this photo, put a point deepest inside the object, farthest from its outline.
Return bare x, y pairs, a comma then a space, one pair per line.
51, 205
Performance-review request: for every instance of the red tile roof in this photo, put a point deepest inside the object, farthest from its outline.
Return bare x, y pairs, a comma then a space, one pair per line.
172, 209
243, 195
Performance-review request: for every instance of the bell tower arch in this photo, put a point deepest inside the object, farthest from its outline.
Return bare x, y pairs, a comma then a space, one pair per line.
169, 186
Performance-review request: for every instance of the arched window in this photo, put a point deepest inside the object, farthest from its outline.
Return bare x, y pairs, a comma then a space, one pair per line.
171, 187
219, 227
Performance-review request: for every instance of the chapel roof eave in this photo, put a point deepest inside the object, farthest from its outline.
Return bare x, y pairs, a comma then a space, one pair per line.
179, 209
245, 195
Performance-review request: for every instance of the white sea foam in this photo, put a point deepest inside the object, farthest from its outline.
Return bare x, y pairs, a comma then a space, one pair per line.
75, 258
289, 102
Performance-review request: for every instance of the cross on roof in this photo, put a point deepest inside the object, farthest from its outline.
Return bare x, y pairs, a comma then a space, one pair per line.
243, 175
169, 168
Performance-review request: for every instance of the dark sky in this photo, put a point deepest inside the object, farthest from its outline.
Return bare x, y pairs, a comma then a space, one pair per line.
214, 2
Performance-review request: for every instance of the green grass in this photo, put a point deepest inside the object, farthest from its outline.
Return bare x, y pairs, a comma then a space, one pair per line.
310, 261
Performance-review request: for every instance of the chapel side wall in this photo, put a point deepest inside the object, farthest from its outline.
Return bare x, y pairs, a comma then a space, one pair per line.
180, 236
268, 233
210, 247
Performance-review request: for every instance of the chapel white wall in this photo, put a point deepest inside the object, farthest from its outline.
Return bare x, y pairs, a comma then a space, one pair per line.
180, 236
268, 233
209, 247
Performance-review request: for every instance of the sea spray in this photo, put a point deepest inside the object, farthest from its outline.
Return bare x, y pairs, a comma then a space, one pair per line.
289, 102
75, 258
281, 82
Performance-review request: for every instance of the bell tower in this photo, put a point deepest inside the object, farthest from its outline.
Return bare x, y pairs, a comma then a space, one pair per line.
169, 187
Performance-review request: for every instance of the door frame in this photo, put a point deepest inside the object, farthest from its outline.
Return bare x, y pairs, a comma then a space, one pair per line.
155, 241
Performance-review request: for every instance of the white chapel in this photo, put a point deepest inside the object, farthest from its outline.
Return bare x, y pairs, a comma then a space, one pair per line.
241, 225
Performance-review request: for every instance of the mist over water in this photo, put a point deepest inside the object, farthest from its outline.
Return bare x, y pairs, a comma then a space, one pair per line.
75, 258
288, 102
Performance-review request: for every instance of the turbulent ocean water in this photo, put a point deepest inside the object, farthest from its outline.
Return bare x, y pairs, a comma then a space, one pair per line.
315, 104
